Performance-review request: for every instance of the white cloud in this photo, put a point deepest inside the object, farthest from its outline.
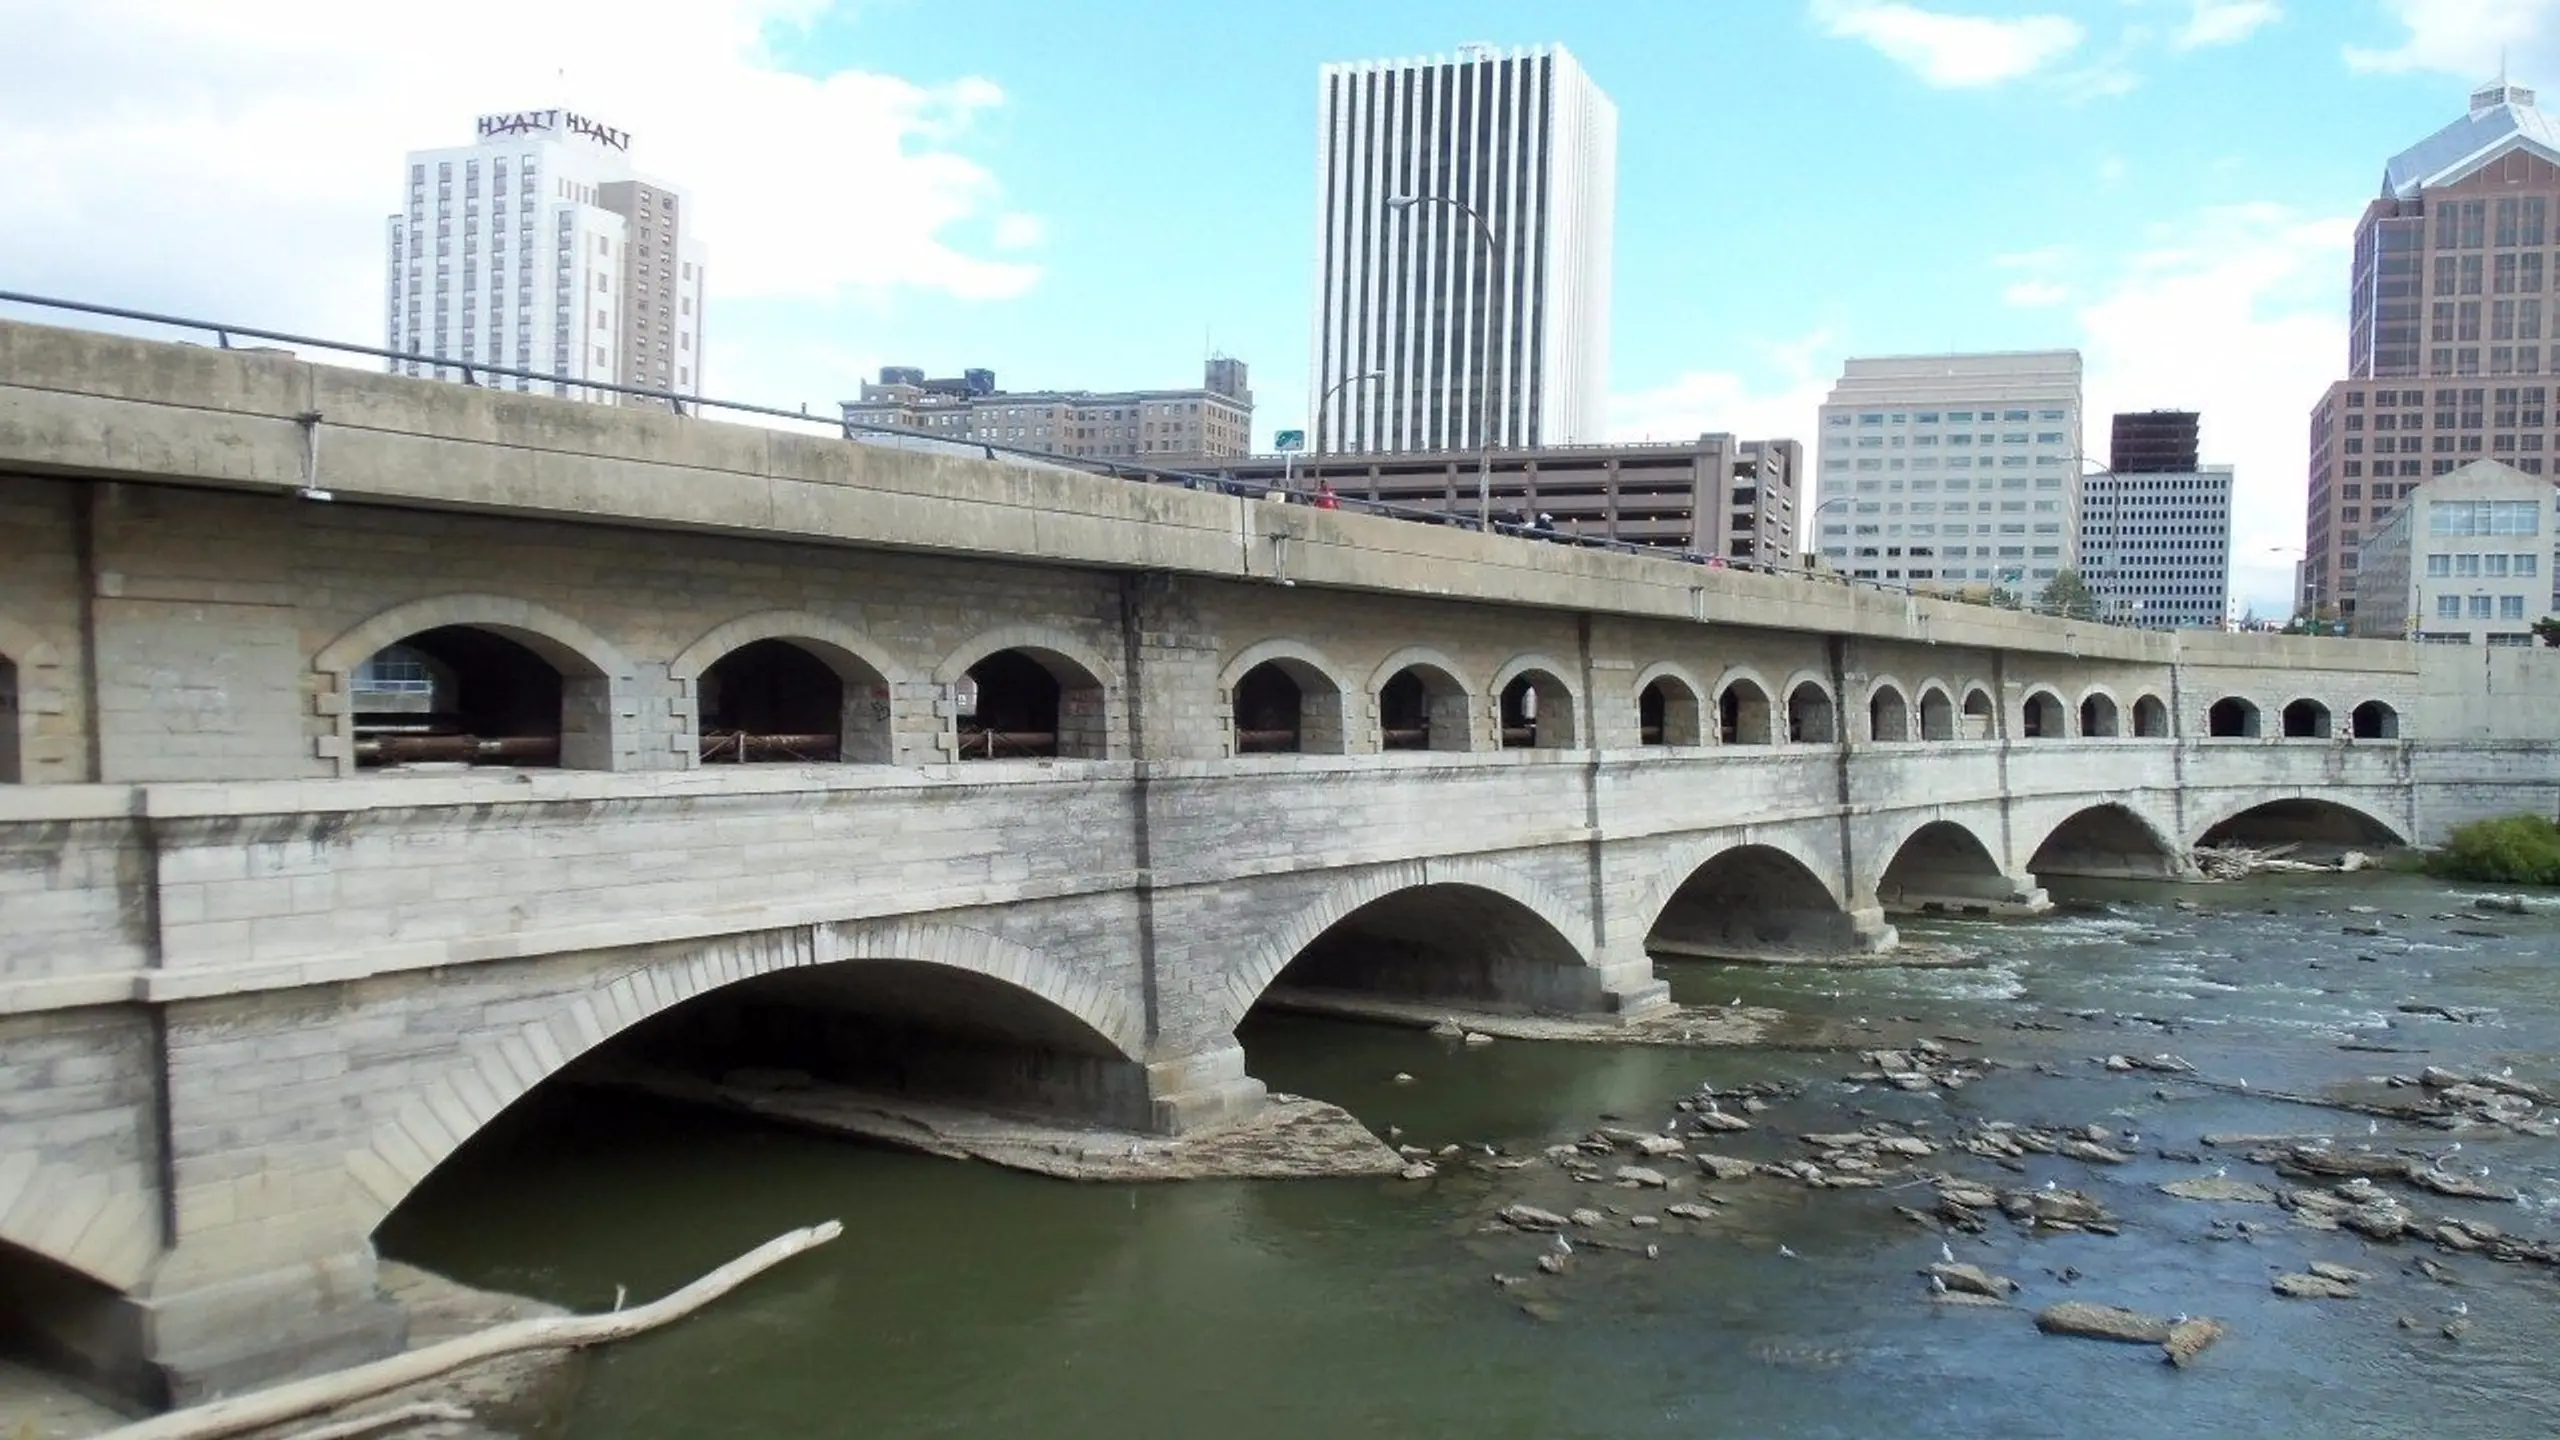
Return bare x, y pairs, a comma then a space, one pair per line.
2469, 38
2225, 22
1017, 231
1777, 402
2233, 312
238, 160
2029, 294
1952, 51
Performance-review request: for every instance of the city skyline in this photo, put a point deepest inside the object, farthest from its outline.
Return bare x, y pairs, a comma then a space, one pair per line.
2169, 186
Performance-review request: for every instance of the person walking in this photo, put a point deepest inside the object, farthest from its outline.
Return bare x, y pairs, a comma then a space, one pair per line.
1325, 498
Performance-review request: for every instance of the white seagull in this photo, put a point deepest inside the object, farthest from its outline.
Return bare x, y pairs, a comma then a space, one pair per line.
1946, 1253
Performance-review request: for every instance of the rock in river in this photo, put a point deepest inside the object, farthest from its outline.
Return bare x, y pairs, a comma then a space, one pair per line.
2216, 1187
1530, 1217
2103, 1322
2188, 1339
1640, 1176
2313, 1287
1972, 1280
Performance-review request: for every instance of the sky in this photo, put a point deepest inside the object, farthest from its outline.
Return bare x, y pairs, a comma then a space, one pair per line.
1100, 193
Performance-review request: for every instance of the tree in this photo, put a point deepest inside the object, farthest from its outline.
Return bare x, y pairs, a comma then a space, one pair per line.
2548, 627
2065, 595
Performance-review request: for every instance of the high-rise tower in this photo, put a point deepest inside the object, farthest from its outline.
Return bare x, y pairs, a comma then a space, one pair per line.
2449, 350
538, 248
1465, 208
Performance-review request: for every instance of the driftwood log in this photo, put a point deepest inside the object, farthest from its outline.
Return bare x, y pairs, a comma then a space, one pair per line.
295, 1399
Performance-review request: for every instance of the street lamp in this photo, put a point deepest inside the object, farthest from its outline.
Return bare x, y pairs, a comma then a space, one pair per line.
1484, 347
1289, 459
1812, 519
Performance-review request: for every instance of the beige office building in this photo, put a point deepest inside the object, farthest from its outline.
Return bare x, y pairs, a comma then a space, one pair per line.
1154, 427
1716, 495
2461, 561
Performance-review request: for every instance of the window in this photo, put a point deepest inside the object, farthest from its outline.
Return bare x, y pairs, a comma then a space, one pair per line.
2448, 607
2497, 566
2510, 607
2526, 565
2480, 606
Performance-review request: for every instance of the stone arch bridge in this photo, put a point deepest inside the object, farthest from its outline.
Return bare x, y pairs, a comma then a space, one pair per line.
330, 828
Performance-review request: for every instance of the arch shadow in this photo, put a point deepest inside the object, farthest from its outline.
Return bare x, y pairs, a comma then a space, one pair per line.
2301, 820
1888, 713
2150, 718
867, 676
1424, 703
1467, 931
2109, 841
1086, 697
1743, 709
1750, 901
970, 1014
1937, 712
1943, 866
1537, 707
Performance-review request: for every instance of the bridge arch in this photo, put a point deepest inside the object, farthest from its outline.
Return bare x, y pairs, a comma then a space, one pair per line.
2298, 819
1038, 682
1760, 895
2112, 840
30, 678
1536, 705
591, 672
1943, 865
1813, 713
939, 971
2150, 718
1670, 706
1462, 929
2101, 717
1743, 708
1423, 702
2041, 716
858, 708
1937, 711
1312, 702
1888, 712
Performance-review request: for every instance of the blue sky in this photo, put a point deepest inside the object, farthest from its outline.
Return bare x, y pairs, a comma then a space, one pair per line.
1087, 193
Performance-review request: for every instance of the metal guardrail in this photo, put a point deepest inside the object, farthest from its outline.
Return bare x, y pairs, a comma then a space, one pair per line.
682, 404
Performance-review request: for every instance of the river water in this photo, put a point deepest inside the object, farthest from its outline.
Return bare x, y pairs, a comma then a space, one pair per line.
965, 1300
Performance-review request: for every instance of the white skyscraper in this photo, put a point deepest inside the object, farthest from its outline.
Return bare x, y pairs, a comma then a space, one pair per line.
539, 248
2155, 546
1423, 340
1949, 470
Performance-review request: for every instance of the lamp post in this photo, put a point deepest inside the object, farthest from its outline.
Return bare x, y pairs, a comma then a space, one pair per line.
1813, 518
1484, 346
1289, 459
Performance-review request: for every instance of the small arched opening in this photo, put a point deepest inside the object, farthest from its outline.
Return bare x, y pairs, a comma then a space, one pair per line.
2043, 718
773, 701
2301, 821
1422, 707
1888, 716
2150, 718
2231, 718
1287, 706
2107, 842
1810, 718
1536, 712
1945, 867
1029, 703
1937, 715
1742, 713
2306, 720
1450, 943
1752, 902
2098, 716
1978, 715
1667, 713
2374, 720
470, 695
